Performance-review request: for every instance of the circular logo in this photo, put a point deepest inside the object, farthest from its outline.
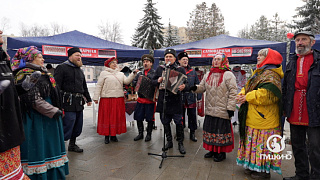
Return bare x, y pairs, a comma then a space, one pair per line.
275, 145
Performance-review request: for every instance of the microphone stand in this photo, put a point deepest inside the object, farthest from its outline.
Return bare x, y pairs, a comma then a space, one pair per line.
164, 153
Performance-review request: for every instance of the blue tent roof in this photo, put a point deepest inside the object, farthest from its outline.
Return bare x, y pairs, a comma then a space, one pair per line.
225, 41
76, 39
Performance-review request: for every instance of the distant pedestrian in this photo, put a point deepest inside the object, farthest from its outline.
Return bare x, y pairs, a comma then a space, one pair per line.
50, 68
241, 81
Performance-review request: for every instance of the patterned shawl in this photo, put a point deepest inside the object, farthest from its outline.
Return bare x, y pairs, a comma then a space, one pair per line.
264, 78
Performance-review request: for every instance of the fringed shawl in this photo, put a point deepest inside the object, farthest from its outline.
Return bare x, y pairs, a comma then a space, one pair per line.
45, 87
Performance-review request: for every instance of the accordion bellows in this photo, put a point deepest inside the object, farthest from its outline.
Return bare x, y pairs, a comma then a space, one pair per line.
144, 87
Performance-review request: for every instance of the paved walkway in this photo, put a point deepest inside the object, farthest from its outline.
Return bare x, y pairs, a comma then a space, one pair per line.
128, 159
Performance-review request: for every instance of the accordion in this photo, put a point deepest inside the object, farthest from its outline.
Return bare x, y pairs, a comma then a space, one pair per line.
175, 79
144, 87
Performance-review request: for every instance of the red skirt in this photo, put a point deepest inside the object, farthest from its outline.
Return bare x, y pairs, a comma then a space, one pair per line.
10, 165
111, 116
220, 149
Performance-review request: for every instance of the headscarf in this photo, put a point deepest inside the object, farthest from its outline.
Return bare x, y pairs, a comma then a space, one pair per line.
215, 80
273, 57
23, 55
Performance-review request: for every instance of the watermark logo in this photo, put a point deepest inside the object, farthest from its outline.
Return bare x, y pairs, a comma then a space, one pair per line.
273, 145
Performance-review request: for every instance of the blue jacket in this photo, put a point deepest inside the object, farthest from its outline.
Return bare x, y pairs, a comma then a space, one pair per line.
193, 80
313, 88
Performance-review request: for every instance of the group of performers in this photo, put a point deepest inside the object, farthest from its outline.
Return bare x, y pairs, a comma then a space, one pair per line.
171, 102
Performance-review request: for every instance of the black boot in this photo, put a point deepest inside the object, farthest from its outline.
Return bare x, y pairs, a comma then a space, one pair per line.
210, 154
73, 147
140, 129
106, 140
167, 131
114, 138
193, 136
180, 138
220, 157
149, 131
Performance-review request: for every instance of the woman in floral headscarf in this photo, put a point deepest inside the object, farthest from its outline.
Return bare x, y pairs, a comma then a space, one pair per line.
43, 154
221, 90
260, 116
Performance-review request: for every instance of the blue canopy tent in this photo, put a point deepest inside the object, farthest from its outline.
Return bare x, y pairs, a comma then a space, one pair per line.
75, 38
315, 46
225, 41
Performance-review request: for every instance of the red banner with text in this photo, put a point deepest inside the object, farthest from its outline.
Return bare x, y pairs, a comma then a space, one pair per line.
230, 52
86, 52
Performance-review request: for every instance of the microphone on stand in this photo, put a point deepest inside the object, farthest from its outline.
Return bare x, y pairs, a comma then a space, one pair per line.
168, 64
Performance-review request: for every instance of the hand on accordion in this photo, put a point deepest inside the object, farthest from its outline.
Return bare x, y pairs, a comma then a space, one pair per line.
160, 79
181, 87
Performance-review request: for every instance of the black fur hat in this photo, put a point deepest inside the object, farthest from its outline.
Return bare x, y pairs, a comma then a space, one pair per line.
182, 54
73, 50
171, 51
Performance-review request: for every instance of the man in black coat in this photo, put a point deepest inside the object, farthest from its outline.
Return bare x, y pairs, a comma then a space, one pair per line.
301, 105
173, 108
145, 107
75, 94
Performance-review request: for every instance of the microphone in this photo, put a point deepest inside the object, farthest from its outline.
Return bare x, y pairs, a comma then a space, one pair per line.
168, 64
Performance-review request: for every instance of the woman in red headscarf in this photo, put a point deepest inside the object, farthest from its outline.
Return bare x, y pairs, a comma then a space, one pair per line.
111, 115
221, 90
260, 117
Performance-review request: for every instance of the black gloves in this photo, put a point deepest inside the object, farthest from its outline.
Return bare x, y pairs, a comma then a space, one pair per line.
193, 88
57, 114
231, 113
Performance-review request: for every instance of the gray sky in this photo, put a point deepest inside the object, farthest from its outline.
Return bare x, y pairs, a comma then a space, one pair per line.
86, 15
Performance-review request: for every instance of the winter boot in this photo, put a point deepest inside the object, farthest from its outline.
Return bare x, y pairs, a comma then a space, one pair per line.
177, 130
180, 138
114, 138
210, 154
220, 157
73, 147
167, 131
106, 140
193, 136
140, 129
149, 131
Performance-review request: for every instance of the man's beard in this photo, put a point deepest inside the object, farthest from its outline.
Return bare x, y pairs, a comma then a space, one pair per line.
77, 63
305, 49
